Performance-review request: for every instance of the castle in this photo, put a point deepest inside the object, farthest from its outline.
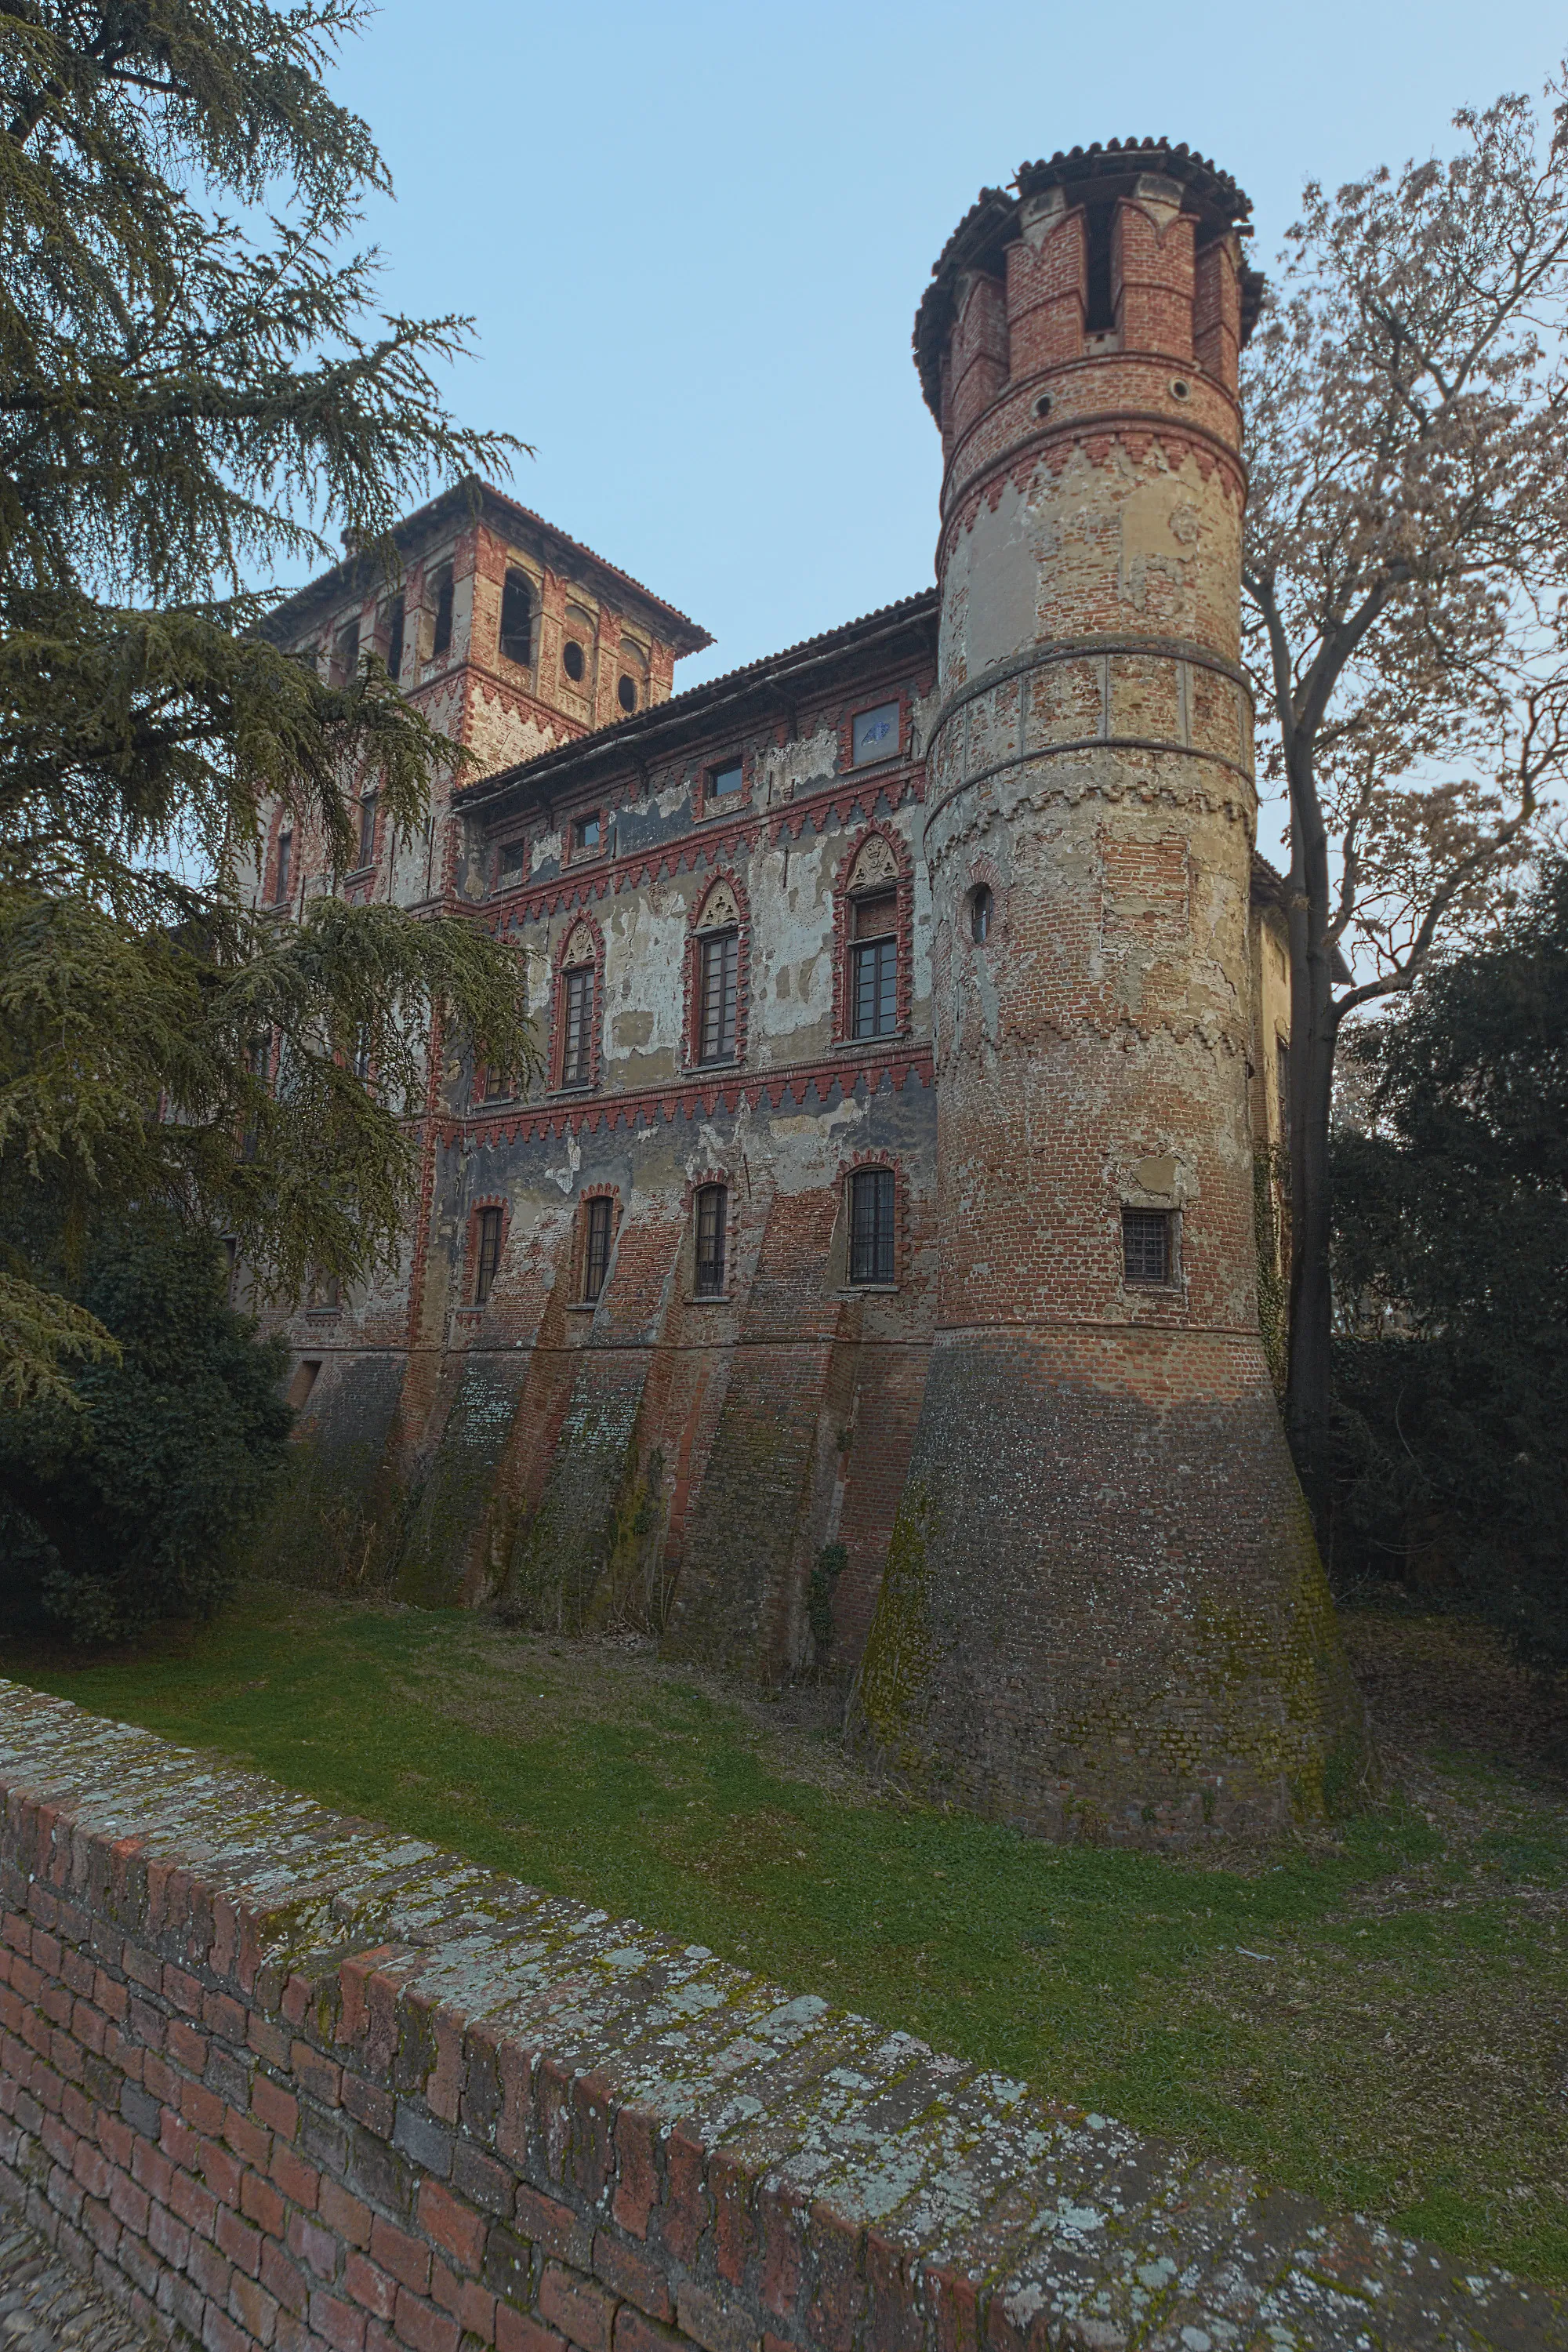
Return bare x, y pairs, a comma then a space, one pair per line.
870, 1282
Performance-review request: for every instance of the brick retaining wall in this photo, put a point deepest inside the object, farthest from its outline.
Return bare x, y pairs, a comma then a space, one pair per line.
281, 2078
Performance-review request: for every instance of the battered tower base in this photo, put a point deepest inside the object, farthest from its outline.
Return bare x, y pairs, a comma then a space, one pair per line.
1104, 1616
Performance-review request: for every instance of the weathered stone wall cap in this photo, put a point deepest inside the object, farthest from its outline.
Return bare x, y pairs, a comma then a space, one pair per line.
772, 2174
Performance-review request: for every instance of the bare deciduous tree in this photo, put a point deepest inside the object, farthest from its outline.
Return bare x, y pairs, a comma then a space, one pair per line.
1406, 587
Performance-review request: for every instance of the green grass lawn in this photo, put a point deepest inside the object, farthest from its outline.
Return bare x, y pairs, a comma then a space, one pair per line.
1381, 2019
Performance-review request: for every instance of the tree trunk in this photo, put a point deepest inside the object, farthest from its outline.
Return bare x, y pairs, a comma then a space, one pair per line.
1313, 1034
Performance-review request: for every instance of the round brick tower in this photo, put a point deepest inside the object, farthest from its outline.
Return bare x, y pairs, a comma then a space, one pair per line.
1103, 1612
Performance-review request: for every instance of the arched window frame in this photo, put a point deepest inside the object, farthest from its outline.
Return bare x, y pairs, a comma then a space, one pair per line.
845, 894
470, 1302
699, 926
583, 1228
859, 1165
567, 959
699, 1184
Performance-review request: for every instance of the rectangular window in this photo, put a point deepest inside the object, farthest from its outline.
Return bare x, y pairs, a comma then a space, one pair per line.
345, 654
712, 1211
490, 1254
596, 1249
367, 830
517, 618
326, 1295
587, 832
499, 1086
874, 735
393, 616
577, 1045
716, 993
1282, 1081
510, 865
871, 1225
442, 641
285, 866
361, 1051
874, 967
722, 782
1147, 1251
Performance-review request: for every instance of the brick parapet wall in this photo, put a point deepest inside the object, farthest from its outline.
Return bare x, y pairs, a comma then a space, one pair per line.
281, 2078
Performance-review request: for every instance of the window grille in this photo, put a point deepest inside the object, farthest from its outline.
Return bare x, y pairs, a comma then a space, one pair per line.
716, 991
490, 1254
596, 1254
871, 1225
712, 1209
367, 830
577, 1045
1146, 1251
874, 967
517, 618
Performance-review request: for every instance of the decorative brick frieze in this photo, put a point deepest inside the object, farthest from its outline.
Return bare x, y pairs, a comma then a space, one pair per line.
283, 2081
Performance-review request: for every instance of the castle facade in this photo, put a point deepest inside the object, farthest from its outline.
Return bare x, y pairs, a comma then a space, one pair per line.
870, 1281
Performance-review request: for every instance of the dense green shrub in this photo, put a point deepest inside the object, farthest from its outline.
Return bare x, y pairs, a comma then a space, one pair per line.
128, 1505
1451, 1276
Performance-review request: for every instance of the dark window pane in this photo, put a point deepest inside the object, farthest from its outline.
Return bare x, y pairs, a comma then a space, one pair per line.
576, 1056
510, 864
345, 658
713, 1204
874, 989
394, 625
596, 1254
875, 734
586, 834
517, 617
626, 692
871, 1225
285, 865
442, 643
980, 907
367, 830
490, 1254
1146, 1244
1282, 1079
724, 781
573, 660
716, 994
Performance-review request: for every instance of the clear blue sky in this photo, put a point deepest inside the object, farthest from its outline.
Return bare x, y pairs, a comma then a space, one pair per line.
693, 237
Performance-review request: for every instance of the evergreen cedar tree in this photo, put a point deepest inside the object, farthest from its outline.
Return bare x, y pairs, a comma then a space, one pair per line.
132, 1509
1405, 563
173, 398
1452, 1267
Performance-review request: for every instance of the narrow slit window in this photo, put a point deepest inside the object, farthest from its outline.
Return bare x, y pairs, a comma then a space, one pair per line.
442, 641
1282, 1081
490, 1254
871, 1225
720, 961
395, 618
1147, 1251
874, 967
517, 618
285, 866
713, 1213
367, 830
1100, 311
345, 656
576, 1053
596, 1249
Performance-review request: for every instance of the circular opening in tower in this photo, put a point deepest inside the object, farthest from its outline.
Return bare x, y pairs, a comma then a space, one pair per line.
1043, 405
1179, 388
626, 694
980, 907
574, 661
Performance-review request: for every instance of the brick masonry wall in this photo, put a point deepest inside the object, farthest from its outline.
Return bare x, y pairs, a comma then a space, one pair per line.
284, 2080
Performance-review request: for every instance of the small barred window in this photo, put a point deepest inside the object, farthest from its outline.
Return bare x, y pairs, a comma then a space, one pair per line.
597, 1248
490, 1254
712, 1209
1148, 1254
871, 1225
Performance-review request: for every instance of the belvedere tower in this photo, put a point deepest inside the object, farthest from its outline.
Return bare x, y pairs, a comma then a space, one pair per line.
1103, 1611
